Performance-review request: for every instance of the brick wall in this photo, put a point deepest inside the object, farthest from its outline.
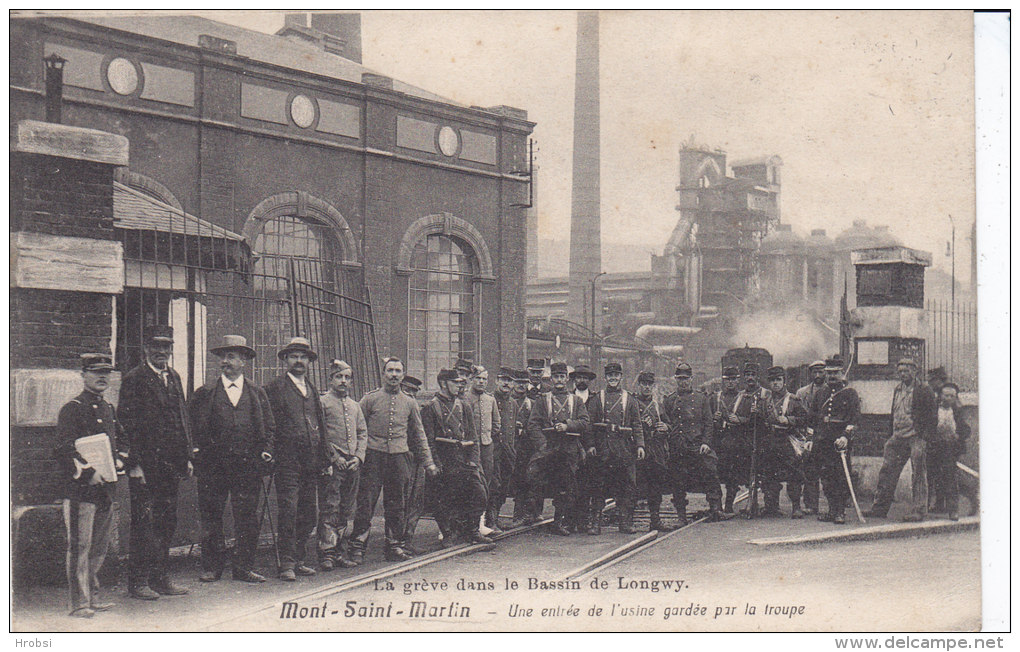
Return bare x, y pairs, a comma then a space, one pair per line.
50, 328
59, 196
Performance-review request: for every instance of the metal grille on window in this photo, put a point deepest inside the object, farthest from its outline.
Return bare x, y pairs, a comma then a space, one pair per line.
443, 307
203, 280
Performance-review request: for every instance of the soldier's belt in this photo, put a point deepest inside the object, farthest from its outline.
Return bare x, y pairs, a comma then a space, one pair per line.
450, 440
553, 431
608, 426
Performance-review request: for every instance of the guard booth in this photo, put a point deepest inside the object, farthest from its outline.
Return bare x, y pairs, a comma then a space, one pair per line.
888, 323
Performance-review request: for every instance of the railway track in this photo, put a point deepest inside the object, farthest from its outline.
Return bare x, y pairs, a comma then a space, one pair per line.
624, 551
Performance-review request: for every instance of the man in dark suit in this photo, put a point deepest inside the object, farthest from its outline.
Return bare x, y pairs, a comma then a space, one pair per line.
301, 455
233, 428
155, 421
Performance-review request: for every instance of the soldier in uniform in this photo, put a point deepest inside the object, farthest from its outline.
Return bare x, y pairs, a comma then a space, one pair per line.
523, 509
653, 478
234, 431
486, 422
806, 395
301, 453
347, 438
559, 426
537, 384
504, 446
155, 419
834, 414
87, 497
692, 461
396, 442
731, 412
417, 496
783, 448
624, 447
591, 475
461, 498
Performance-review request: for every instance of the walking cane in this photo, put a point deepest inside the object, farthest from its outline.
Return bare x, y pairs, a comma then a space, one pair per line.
265, 515
850, 484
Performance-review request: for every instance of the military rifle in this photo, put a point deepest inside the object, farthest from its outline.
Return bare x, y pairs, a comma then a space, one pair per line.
752, 510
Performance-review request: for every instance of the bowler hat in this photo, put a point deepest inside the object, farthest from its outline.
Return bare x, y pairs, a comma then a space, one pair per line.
613, 368
583, 371
96, 362
558, 368
234, 343
646, 377
775, 373
160, 333
298, 345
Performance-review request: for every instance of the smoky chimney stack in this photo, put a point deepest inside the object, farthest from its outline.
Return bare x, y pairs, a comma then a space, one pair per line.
54, 87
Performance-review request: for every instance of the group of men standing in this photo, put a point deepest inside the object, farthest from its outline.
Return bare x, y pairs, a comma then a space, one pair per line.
461, 454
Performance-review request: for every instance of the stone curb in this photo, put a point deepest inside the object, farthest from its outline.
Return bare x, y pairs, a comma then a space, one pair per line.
874, 532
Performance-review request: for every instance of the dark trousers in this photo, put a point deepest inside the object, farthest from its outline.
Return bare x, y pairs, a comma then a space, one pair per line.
416, 503
554, 472
621, 484
215, 486
389, 473
812, 475
779, 464
943, 474
499, 486
591, 489
338, 497
460, 501
895, 453
295, 512
830, 470
89, 530
153, 521
691, 472
734, 462
653, 481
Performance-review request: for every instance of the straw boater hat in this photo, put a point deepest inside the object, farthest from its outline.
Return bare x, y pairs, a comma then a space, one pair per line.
234, 343
298, 344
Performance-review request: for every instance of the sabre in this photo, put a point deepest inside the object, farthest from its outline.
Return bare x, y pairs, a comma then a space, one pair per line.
850, 484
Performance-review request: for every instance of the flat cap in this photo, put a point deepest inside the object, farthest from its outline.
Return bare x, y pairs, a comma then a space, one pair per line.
646, 377
817, 364
583, 370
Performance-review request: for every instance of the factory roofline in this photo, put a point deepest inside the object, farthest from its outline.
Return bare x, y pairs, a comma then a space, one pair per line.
265, 48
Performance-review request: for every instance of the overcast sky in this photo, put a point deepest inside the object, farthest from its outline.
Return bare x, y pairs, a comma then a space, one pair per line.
872, 113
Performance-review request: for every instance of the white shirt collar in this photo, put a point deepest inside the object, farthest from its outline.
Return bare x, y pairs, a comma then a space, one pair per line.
227, 382
299, 383
583, 393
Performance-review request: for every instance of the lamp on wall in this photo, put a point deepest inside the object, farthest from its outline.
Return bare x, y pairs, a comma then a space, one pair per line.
54, 86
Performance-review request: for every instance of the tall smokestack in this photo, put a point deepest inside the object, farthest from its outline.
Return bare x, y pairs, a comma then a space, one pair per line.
585, 220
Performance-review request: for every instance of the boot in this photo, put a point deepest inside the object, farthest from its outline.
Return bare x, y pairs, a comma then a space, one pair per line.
715, 512
559, 525
772, 505
731, 493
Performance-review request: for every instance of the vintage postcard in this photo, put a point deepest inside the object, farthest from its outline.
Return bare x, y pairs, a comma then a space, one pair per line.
479, 321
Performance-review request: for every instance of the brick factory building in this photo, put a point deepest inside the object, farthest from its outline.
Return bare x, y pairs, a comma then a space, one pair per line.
265, 185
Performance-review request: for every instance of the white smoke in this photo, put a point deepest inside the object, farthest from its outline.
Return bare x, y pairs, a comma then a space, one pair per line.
792, 336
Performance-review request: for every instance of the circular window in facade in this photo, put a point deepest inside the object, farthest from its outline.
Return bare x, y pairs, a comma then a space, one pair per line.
122, 76
448, 141
302, 111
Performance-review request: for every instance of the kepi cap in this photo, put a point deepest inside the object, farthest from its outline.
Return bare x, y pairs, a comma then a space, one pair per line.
96, 362
646, 377
160, 333
730, 372
537, 364
613, 368
558, 368
683, 369
445, 375
775, 373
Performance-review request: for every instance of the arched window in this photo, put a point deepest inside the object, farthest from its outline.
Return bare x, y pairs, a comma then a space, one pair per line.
443, 306
287, 249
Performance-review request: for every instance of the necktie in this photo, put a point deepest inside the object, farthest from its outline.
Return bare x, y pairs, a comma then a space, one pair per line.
165, 377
